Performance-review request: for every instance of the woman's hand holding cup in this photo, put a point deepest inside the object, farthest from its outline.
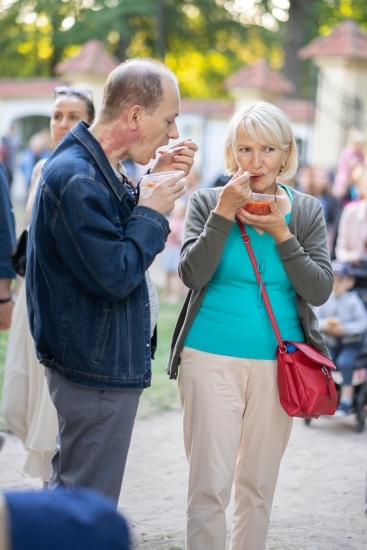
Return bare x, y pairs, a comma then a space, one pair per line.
274, 223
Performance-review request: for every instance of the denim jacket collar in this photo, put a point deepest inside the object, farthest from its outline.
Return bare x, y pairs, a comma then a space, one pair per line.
81, 133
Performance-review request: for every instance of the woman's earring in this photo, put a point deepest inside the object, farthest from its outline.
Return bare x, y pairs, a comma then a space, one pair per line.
281, 169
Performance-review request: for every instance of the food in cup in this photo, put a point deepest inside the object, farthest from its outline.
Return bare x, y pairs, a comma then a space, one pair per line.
259, 204
150, 180
258, 208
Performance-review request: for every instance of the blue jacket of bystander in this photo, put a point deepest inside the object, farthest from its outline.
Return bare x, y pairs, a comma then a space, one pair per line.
7, 228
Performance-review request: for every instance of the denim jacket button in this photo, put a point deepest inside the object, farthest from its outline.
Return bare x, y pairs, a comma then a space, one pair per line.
147, 345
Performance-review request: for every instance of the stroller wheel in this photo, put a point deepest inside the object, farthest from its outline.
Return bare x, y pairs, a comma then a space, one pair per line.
361, 421
360, 410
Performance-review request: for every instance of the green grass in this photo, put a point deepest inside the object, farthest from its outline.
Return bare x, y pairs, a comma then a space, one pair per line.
163, 394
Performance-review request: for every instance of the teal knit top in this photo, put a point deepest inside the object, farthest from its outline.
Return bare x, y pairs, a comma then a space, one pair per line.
232, 319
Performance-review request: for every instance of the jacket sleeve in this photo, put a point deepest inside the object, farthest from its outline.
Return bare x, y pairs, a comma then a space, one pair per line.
205, 235
107, 256
7, 229
306, 259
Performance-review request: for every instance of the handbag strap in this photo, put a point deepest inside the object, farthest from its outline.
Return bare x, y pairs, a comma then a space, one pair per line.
269, 309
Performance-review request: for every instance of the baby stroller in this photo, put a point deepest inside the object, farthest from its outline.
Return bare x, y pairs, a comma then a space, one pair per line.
359, 383
359, 380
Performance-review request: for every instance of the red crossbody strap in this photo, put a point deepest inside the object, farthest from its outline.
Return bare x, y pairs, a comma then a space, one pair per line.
246, 240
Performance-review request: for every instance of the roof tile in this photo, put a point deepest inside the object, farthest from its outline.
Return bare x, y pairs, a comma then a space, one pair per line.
22, 88
346, 40
92, 58
259, 75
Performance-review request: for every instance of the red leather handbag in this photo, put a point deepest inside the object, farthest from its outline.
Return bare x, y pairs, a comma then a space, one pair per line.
306, 387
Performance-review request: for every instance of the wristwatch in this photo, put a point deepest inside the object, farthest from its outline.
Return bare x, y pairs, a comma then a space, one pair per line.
5, 300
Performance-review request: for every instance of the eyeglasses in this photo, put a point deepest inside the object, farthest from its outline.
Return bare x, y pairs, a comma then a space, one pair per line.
67, 90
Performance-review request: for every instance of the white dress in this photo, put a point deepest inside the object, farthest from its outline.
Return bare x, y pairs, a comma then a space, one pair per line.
27, 407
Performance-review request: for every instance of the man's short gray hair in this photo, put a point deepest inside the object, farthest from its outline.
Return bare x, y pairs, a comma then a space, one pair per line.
137, 81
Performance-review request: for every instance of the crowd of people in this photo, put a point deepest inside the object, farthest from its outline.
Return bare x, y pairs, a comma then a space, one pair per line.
83, 329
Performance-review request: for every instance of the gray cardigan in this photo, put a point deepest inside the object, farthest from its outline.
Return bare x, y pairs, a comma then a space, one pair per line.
305, 257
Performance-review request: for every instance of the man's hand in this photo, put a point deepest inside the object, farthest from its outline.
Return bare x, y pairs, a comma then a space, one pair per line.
179, 157
5, 315
7, 307
162, 196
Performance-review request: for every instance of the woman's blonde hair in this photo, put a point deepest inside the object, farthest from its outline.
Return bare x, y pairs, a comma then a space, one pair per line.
267, 124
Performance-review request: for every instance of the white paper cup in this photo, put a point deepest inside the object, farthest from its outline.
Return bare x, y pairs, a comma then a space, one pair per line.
150, 180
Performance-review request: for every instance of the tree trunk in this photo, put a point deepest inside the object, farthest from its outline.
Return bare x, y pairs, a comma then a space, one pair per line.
160, 41
294, 39
121, 47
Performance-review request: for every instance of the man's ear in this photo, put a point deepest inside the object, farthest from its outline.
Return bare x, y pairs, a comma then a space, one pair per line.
134, 116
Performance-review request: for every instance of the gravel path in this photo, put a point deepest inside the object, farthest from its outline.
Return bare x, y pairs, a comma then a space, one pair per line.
318, 505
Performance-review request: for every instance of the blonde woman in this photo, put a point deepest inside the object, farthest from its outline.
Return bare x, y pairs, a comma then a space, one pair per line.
235, 430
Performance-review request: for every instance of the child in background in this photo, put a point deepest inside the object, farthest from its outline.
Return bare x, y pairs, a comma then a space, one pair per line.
343, 322
174, 288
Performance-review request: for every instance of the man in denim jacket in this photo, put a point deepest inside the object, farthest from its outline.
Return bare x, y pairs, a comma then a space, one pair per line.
91, 240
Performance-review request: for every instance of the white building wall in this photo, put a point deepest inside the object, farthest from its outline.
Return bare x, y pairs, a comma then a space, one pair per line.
13, 109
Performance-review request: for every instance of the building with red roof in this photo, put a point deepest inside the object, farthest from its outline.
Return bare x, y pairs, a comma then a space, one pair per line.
341, 58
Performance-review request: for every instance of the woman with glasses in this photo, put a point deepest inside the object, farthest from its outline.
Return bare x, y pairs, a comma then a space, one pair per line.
27, 407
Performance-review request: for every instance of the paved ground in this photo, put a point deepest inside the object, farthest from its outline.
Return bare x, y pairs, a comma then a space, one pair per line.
319, 502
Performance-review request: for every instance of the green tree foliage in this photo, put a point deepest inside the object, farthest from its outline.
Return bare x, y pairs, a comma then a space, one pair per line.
203, 41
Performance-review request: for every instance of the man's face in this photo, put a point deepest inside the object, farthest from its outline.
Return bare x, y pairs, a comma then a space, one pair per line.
159, 127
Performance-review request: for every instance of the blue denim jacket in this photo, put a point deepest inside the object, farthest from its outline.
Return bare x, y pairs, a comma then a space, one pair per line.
89, 247
7, 228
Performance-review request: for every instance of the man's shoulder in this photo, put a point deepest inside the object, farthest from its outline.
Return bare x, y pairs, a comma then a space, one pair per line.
66, 161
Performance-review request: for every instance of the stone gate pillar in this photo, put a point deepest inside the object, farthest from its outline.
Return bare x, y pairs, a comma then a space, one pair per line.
341, 99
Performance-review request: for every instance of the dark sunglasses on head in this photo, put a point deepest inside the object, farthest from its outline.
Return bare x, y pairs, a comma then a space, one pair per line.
67, 90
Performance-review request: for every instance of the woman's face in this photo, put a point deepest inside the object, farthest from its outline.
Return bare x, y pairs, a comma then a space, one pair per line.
66, 112
262, 161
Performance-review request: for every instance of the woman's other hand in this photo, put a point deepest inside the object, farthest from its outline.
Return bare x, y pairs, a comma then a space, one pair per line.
273, 223
234, 195
180, 157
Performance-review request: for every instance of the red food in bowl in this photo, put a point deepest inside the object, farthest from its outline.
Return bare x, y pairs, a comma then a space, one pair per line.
258, 208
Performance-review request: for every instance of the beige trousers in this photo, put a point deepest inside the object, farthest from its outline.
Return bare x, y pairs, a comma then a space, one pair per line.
235, 431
